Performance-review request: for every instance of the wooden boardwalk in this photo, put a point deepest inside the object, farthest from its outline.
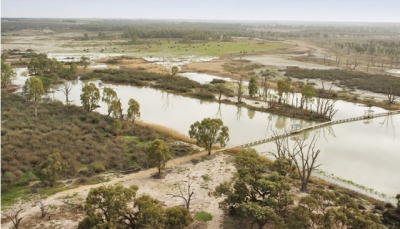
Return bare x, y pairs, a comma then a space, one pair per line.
293, 132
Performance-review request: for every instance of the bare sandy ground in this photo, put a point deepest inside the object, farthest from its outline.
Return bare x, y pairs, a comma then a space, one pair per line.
204, 177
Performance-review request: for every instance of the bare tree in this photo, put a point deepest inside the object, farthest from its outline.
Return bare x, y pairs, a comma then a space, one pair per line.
44, 208
265, 75
304, 157
66, 89
240, 90
187, 194
356, 63
337, 56
301, 153
348, 64
391, 95
13, 214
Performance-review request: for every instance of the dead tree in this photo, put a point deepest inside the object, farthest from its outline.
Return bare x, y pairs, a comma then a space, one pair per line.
391, 95
187, 195
44, 208
348, 64
304, 157
265, 75
240, 90
356, 63
66, 89
13, 214
301, 153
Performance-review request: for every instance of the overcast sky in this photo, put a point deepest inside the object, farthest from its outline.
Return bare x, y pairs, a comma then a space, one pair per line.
289, 10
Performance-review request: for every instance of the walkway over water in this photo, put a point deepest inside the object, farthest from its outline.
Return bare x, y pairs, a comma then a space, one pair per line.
299, 130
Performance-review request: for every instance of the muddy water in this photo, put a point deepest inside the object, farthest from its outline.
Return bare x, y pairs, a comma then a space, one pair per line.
365, 152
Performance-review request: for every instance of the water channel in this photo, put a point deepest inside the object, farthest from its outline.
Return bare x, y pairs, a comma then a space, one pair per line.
367, 153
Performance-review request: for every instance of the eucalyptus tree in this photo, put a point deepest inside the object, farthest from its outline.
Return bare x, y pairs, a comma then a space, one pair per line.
208, 132
133, 110
253, 87
90, 97
33, 91
7, 74
158, 154
109, 95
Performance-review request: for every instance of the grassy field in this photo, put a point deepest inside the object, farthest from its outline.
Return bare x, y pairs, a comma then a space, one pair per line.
72, 42
171, 48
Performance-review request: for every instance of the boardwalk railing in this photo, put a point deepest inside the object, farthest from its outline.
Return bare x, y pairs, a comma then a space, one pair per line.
265, 140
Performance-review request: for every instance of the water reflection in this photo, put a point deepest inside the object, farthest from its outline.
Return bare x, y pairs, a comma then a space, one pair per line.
251, 113
239, 113
219, 112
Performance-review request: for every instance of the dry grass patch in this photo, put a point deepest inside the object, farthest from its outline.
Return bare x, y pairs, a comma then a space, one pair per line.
166, 131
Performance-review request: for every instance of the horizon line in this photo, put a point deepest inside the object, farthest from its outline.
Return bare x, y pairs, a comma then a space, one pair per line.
210, 20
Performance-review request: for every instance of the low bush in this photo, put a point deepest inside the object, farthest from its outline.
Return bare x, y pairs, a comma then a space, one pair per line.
351, 79
203, 216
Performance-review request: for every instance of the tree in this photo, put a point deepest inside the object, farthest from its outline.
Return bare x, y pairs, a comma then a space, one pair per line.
221, 89
240, 91
116, 109
177, 217
158, 154
66, 88
106, 205
302, 155
7, 74
33, 91
391, 95
109, 95
4, 56
208, 132
111, 207
323, 209
85, 61
174, 70
44, 208
13, 214
283, 87
73, 68
90, 96
34, 66
151, 213
307, 94
133, 110
53, 168
253, 193
253, 87
185, 194
265, 75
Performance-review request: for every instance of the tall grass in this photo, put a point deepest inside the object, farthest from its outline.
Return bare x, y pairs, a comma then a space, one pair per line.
166, 131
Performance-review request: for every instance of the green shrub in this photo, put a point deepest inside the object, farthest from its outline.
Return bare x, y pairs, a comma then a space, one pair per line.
203, 216
97, 167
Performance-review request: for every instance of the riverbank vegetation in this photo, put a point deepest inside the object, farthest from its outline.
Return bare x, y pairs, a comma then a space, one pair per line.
88, 142
350, 79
